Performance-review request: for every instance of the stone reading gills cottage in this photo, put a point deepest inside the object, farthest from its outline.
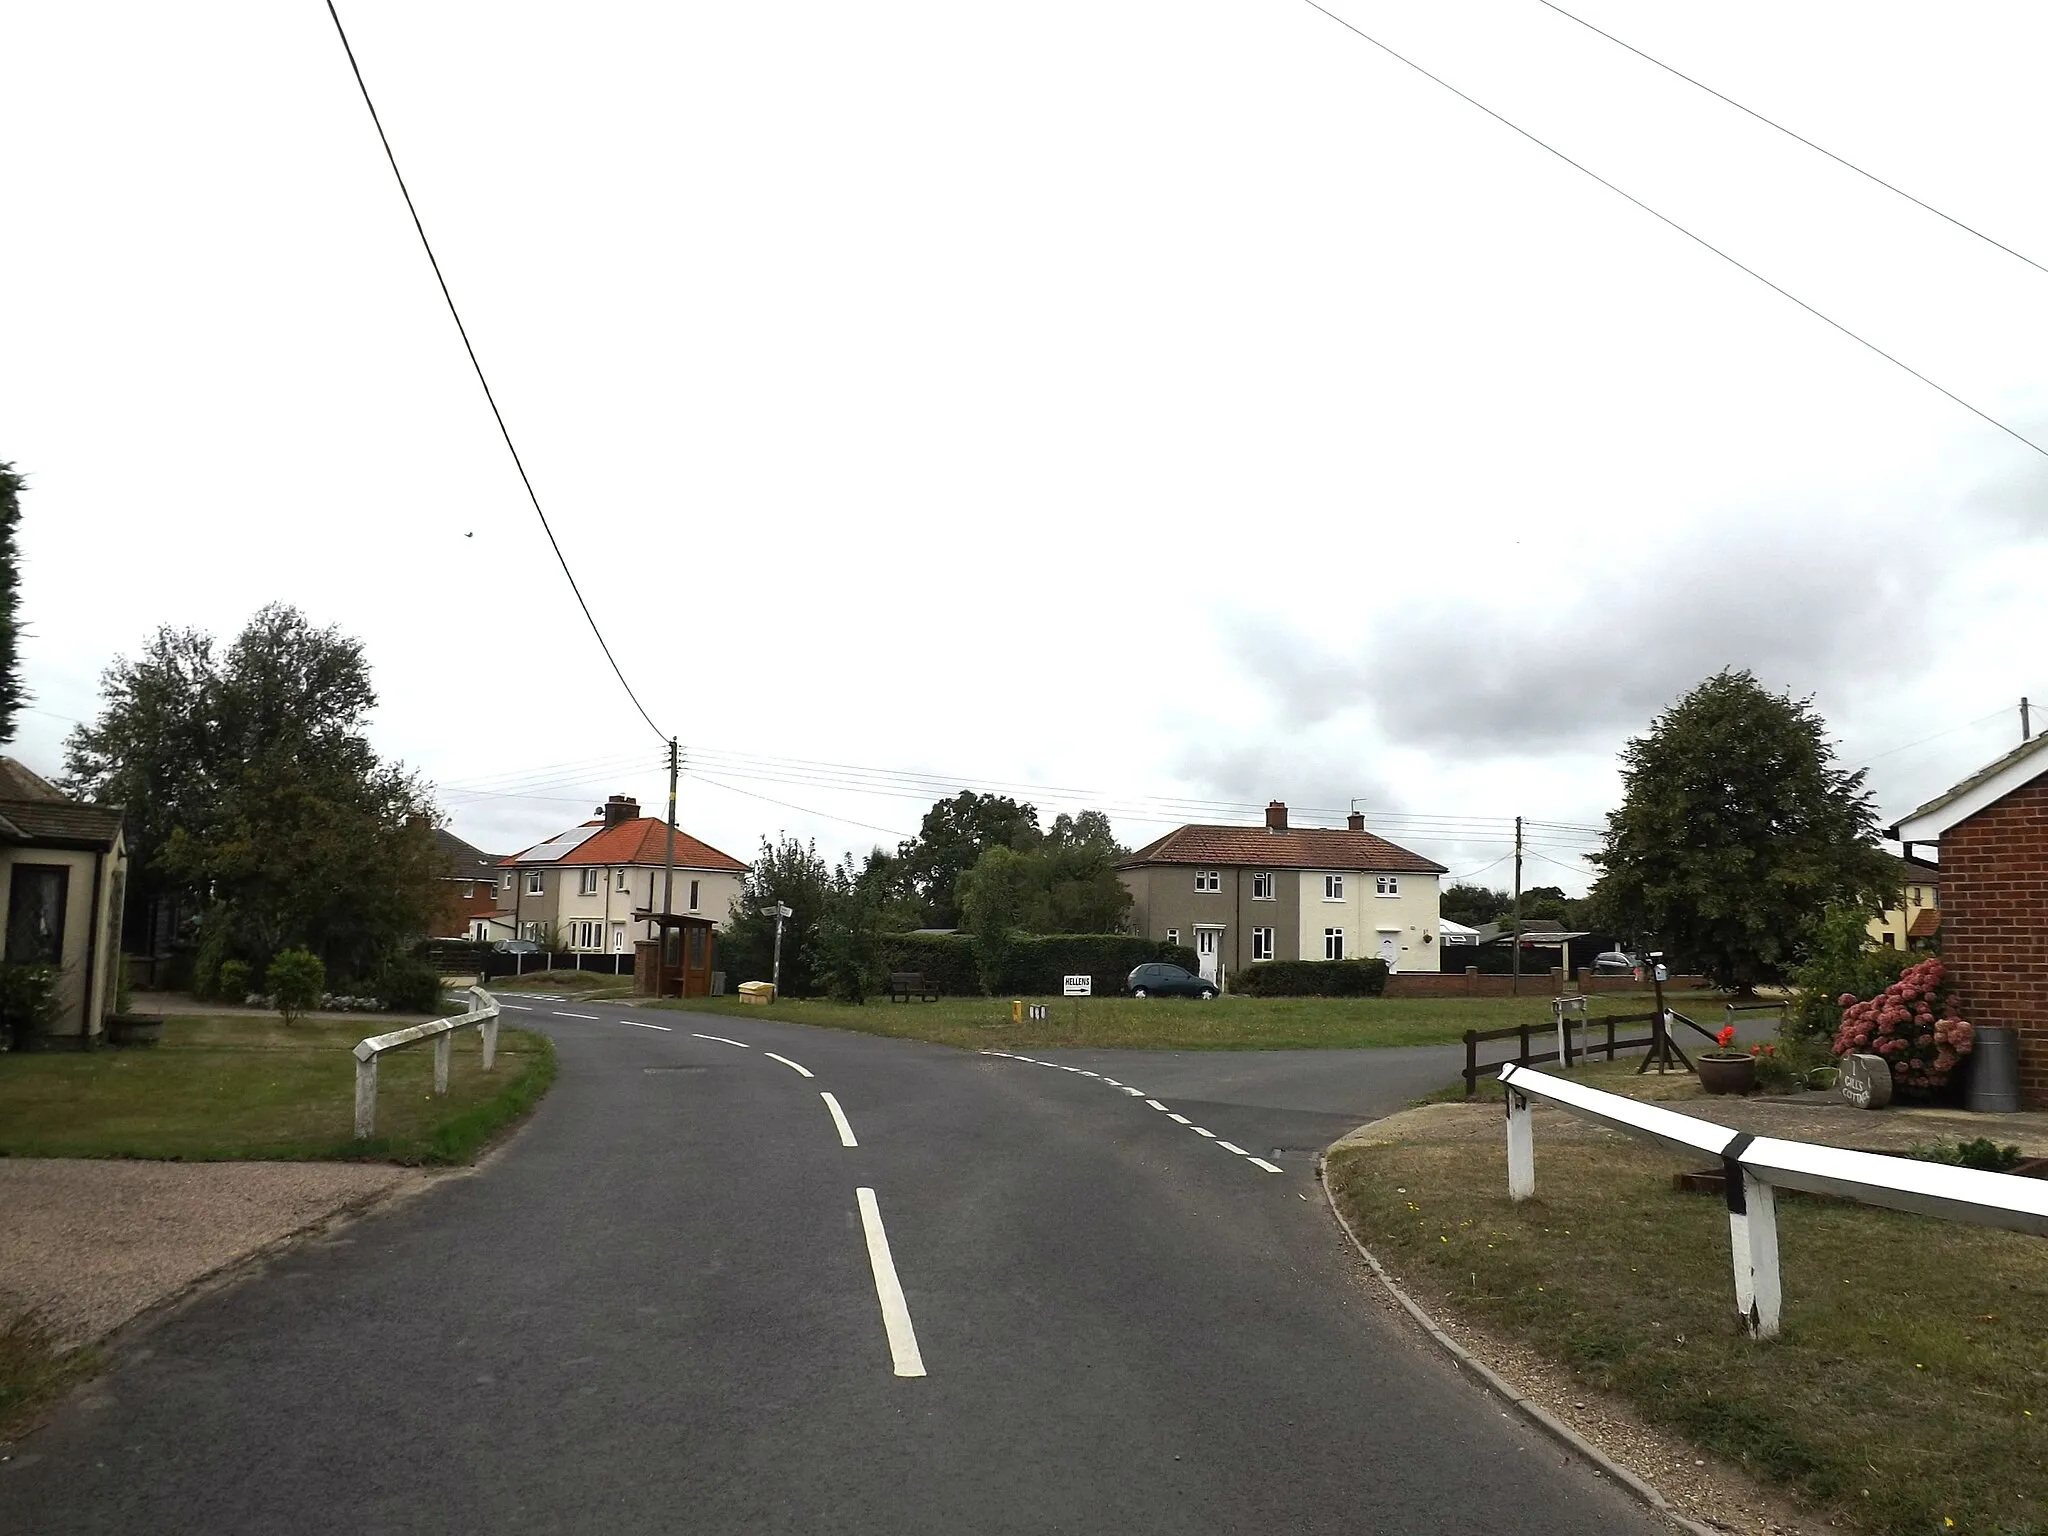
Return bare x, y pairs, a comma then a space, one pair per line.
1238, 895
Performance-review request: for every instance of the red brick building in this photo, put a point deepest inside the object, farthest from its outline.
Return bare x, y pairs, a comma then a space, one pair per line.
469, 879
1992, 830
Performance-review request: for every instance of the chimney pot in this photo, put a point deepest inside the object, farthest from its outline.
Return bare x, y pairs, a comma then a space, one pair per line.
620, 809
1276, 816
1355, 821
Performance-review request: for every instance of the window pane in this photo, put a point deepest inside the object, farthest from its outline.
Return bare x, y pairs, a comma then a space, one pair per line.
35, 914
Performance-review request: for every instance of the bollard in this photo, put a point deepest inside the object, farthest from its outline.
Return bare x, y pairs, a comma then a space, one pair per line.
441, 1044
366, 1098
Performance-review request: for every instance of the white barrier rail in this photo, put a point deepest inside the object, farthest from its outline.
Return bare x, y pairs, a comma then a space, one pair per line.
1756, 1167
442, 1032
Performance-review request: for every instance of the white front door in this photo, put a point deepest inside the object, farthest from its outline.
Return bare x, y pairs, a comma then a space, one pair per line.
1205, 951
1389, 951
618, 938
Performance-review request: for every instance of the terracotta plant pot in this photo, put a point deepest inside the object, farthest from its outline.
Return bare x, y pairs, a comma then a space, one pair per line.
1729, 1073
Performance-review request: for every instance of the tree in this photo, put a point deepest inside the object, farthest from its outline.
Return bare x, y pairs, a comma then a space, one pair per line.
954, 834
995, 900
1737, 829
12, 695
1474, 905
247, 774
845, 953
1072, 874
791, 873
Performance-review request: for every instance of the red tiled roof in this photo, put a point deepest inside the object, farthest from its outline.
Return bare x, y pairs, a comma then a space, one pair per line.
645, 841
1926, 923
1296, 848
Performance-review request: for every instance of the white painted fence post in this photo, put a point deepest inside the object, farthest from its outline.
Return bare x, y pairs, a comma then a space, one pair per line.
441, 1044
490, 1041
1753, 1242
1521, 1148
366, 1098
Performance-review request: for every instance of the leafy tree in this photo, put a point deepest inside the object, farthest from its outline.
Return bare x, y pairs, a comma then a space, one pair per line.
1840, 960
1474, 905
247, 773
297, 980
845, 952
996, 897
1737, 829
791, 873
12, 695
954, 834
1073, 879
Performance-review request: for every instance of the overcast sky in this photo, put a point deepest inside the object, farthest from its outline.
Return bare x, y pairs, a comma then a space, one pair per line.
1156, 399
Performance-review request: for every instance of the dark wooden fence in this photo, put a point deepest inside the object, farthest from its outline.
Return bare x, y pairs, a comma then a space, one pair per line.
1525, 1057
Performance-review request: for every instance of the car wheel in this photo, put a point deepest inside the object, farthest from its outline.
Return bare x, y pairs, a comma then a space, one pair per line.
1138, 992
1210, 995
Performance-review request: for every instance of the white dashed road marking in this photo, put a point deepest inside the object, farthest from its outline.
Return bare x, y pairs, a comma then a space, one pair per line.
795, 1066
1157, 1105
1261, 1162
722, 1040
588, 1017
1231, 1146
666, 1029
903, 1350
839, 1119
516, 1007
1178, 1119
1200, 1132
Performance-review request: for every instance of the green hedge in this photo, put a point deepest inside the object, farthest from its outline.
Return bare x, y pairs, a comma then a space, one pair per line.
1312, 978
1039, 965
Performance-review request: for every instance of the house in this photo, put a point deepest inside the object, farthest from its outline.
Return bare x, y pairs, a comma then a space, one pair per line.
1238, 895
63, 870
579, 890
1914, 919
470, 880
1992, 834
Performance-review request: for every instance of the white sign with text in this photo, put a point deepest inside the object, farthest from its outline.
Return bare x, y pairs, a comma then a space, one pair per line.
1080, 986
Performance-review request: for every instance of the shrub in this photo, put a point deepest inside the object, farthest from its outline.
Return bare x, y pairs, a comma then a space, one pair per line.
1775, 1072
1901, 1025
1312, 978
297, 979
946, 960
28, 1002
232, 981
1980, 1153
1842, 960
407, 985
1034, 965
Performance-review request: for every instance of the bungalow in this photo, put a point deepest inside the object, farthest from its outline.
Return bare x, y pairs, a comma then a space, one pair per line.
1992, 833
63, 868
1238, 895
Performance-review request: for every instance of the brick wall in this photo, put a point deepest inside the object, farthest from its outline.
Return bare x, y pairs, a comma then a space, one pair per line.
1550, 983
1994, 924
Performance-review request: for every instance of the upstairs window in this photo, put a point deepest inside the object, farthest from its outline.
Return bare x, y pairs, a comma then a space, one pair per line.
693, 895
1387, 885
586, 882
533, 882
622, 879
1208, 879
1262, 887
1333, 889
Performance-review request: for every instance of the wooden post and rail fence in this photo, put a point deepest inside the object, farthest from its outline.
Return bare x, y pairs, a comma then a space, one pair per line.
482, 1017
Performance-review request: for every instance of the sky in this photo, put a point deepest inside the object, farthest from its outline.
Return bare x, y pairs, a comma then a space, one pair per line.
1151, 403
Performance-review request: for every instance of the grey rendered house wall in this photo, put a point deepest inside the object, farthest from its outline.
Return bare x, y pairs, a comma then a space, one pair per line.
1164, 899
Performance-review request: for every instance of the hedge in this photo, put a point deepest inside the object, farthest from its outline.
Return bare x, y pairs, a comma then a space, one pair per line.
1312, 978
1040, 963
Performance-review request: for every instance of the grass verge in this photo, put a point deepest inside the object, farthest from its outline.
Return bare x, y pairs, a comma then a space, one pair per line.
584, 984
33, 1369
1227, 1024
249, 1087
1908, 1393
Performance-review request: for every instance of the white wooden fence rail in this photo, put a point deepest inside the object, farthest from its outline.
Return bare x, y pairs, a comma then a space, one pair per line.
483, 1016
1757, 1166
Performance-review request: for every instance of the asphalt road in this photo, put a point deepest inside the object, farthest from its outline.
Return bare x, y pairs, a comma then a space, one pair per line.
663, 1308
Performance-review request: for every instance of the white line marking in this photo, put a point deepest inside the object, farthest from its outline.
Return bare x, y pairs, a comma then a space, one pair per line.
516, 1007
1086, 1073
792, 1065
721, 1040
1155, 1104
1200, 1132
1136, 1093
1269, 1167
666, 1029
839, 1119
895, 1310
1231, 1146
1182, 1119
588, 1017
1112, 1082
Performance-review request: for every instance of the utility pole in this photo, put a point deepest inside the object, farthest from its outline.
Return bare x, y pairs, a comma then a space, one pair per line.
668, 879
2026, 722
1515, 986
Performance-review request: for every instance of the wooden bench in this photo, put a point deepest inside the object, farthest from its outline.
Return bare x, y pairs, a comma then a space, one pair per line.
904, 985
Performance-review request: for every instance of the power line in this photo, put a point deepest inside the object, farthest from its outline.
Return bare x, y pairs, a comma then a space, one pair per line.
1789, 133
734, 789
491, 399
1966, 725
1666, 219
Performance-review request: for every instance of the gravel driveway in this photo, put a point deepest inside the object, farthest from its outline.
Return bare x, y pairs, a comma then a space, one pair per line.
95, 1242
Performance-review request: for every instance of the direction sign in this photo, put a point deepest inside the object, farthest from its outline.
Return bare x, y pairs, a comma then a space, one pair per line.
1080, 986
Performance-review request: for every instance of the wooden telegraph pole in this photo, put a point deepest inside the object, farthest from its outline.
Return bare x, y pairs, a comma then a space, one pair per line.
1515, 986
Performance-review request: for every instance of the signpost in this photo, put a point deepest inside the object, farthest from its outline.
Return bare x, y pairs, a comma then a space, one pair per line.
1078, 987
779, 912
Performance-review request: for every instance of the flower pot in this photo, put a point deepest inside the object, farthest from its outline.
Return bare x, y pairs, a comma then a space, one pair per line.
134, 1028
1727, 1073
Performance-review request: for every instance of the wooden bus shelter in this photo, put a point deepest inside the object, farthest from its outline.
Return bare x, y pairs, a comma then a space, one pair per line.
679, 963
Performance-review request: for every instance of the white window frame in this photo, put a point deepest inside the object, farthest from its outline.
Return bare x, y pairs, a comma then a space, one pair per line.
1208, 880
1173, 935
469, 890
1387, 885
624, 875
1333, 943
589, 934
587, 880
1333, 887
1262, 888
1262, 943
693, 895
535, 883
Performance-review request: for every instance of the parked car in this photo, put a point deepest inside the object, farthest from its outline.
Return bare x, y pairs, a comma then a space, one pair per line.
515, 947
1158, 979
1615, 963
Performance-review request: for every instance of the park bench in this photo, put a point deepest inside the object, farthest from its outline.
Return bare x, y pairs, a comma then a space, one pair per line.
904, 985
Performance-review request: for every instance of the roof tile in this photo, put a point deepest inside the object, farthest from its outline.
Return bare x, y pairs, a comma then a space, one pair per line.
1295, 848
642, 841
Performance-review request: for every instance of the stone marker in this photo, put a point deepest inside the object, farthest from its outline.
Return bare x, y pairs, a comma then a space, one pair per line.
1866, 1080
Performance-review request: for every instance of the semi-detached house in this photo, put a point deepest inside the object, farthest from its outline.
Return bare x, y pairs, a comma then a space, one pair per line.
1239, 895
582, 887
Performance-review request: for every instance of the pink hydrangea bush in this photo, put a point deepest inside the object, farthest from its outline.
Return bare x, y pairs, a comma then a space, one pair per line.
1912, 1026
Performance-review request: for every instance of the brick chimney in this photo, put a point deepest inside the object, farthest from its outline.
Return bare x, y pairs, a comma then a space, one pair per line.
619, 809
1355, 821
1276, 816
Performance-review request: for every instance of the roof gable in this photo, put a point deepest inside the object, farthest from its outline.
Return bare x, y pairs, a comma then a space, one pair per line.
1292, 848
1981, 790
643, 841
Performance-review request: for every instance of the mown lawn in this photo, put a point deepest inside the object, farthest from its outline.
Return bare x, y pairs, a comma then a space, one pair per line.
221, 1088
584, 984
1908, 1390
1227, 1024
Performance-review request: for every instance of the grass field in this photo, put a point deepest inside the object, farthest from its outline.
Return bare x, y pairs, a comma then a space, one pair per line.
1910, 1386
1227, 1024
249, 1087
584, 984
